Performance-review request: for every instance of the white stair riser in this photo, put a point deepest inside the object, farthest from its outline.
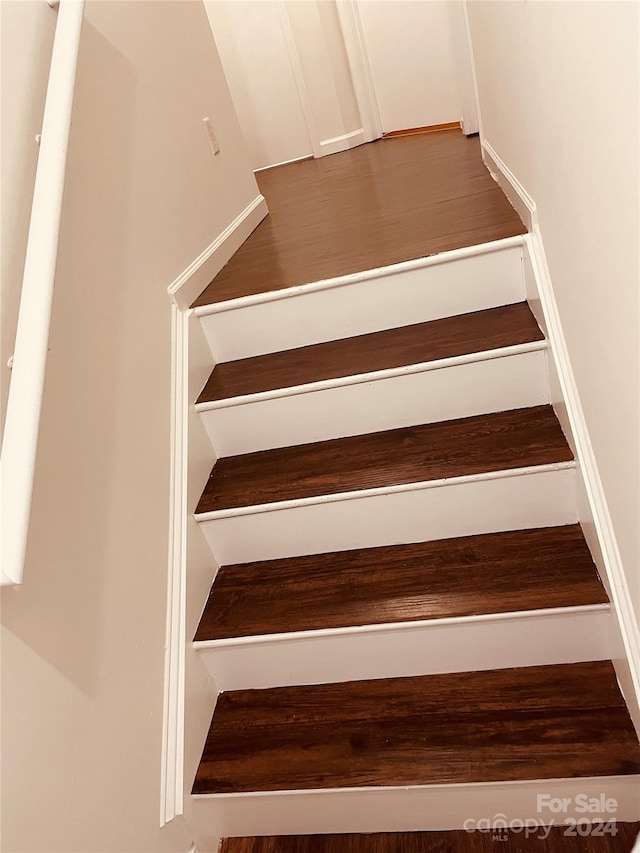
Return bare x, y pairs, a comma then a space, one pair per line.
566, 635
334, 410
462, 507
413, 292
432, 807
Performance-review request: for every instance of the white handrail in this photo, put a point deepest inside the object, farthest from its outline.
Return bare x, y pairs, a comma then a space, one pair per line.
20, 440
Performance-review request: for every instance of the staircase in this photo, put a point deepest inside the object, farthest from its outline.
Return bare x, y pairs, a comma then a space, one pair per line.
407, 628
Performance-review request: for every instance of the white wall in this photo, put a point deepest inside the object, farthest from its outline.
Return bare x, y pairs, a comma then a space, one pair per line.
27, 31
410, 49
559, 95
83, 637
254, 55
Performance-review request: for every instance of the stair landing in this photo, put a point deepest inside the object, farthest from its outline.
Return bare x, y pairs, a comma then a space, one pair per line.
379, 204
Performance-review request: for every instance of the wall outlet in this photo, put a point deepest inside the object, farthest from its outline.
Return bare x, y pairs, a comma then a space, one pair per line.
213, 142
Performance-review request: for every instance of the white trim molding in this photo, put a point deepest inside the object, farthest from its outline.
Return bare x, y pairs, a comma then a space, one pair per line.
510, 185
193, 280
571, 415
182, 291
172, 766
343, 142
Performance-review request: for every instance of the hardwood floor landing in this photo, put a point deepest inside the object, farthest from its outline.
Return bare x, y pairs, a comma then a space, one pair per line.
493, 442
388, 201
544, 722
477, 331
492, 573
553, 840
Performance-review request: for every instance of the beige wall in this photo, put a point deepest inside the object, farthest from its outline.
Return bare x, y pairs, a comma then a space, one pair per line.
559, 98
27, 31
83, 637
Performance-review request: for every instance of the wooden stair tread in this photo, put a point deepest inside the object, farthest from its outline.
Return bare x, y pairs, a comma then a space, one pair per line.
379, 204
483, 443
452, 841
423, 342
546, 722
490, 573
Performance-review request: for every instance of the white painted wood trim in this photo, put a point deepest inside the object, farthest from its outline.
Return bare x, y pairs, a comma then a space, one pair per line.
343, 142
172, 762
359, 378
410, 807
235, 512
200, 272
383, 627
361, 76
520, 199
283, 163
366, 275
26, 388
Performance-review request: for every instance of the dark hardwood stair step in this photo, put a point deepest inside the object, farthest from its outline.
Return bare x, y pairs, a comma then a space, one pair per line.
560, 721
423, 342
493, 573
618, 838
480, 444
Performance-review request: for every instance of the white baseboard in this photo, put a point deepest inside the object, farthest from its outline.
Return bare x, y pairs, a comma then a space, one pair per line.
520, 199
172, 768
342, 143
193, 280
282, 163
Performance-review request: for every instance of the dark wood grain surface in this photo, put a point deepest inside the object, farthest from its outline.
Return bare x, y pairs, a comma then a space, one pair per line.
619, 839
421, 342
378, 204
492, 442
560, 721
493, 573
